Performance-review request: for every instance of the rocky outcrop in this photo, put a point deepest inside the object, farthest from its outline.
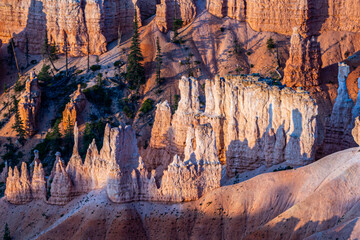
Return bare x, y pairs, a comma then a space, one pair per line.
38, 182
61, 185
187, 180
356, 131
202, 167
254, 123
304, 64
29, 105
4, 172
167, 10
339, 125
21, 189
74, 108
18, 187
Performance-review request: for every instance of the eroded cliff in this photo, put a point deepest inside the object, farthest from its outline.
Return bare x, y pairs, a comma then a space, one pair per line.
254, 122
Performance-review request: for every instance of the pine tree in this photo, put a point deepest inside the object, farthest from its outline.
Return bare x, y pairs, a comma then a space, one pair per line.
27, 56
69, 136
66, 54
11, 59
159, 61
177, 23
119, 35
7, 233
18, 125
45, 46
88, 52
49, 51
135, 74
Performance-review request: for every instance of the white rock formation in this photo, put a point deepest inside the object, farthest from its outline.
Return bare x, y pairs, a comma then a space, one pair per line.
341, 121
254, 123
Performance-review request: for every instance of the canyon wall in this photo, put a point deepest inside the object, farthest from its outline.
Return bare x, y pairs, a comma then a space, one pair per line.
254, 123
309, 16
94, 23
90, 23
119, 169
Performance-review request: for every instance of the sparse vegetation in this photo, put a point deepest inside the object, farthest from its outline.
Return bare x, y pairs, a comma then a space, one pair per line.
270, 44
7, 232
95, 68
282, 168
93, 130
52, 142
44, 74
11, 155
128, 107
239, 69
159, 62
176, 102
99, 96
19, 86
18, 125
237, 48
147, 106
177, 23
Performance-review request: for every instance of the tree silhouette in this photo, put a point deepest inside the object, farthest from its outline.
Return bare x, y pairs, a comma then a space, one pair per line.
18, 125
7, 233
159, 61
135, 74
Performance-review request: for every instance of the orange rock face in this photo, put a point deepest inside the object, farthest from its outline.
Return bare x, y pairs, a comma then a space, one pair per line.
309, 16
166, 11
304, 64
90, 23
29, 105
74, 108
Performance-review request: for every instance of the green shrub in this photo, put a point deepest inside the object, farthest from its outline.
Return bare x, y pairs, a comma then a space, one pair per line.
93, 130
44, 74
118, 63
270, 44
18, 86
282, 169
99, 96
147, 106
95, 67
176, 102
